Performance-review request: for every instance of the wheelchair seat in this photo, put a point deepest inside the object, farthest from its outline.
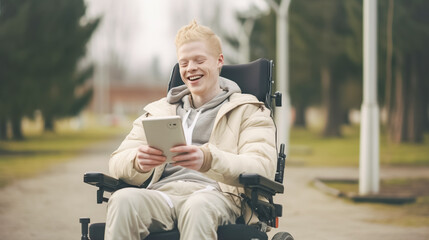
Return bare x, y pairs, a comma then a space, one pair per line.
253, 78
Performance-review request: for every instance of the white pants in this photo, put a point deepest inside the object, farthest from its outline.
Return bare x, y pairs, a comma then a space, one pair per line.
194, 209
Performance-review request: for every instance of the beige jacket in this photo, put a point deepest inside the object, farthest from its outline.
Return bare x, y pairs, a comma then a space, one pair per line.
242, 141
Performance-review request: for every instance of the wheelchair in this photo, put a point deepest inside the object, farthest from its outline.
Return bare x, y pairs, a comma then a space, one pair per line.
253, 78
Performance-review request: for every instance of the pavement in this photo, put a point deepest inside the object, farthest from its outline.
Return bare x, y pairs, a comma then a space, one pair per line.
309, 213
49, 206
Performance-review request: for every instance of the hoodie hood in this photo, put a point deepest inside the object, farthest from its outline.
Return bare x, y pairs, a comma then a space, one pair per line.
176, 94
198, 122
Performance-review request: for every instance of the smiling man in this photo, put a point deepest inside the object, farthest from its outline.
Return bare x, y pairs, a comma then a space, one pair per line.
228, 133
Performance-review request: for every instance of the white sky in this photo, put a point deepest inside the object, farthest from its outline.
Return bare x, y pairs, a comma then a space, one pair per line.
137, 31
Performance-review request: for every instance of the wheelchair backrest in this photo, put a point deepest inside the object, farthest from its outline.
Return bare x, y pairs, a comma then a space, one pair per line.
253, 78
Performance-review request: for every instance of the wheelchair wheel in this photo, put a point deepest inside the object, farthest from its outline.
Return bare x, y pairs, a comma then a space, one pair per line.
282, 236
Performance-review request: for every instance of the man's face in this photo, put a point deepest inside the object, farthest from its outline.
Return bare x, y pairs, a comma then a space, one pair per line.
199, 68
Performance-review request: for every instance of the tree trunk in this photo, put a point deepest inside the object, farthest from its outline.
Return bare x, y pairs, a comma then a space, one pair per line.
407, 116
389, 54
396, 125
426, 112
17, 128
300, 116
424, 80
415, 111
345, 117
3, 128
49, 124
331, 105
425, 104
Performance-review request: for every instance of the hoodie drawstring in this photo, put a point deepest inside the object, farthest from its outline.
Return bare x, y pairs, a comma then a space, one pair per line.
188, 130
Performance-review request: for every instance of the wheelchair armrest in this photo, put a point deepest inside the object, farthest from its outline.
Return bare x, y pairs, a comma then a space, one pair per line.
256, 181
268, 212
104, 183
109, 183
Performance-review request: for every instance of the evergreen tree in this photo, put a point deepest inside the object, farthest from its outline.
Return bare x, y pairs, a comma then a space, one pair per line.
17, 88
41, 43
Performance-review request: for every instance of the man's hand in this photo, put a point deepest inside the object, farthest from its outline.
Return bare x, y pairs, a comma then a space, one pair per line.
190, 156
149, 158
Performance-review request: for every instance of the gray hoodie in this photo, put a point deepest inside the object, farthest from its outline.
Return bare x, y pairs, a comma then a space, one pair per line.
203, 117
198, 125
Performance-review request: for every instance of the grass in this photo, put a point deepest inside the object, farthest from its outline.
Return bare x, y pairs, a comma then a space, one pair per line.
309, 148
38, 152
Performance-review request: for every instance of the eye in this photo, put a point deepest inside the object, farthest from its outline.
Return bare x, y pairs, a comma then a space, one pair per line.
183, 64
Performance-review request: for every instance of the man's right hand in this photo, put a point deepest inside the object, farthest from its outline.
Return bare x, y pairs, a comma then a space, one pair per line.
149, 158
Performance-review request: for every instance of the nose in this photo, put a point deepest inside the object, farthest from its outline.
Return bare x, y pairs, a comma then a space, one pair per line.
191, 66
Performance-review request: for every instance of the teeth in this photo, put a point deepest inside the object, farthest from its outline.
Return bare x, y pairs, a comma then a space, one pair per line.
194, 77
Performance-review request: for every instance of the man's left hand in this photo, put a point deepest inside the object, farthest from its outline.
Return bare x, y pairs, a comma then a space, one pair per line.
190, 156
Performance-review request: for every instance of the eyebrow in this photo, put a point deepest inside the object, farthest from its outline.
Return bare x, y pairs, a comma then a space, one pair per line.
193, 57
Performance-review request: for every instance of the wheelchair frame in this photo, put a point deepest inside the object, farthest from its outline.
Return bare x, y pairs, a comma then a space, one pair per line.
267, 211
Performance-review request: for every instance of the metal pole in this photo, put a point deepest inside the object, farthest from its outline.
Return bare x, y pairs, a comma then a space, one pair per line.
369, 179
282, 114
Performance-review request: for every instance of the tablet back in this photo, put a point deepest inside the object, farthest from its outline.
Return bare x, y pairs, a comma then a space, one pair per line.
164, 133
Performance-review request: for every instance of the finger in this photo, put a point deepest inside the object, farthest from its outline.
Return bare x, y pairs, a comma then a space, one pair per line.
142, 155
185, 156
150, 150
183, 148
148, 164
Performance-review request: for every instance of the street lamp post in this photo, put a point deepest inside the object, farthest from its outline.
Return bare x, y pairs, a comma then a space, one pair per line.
369, 130
282, 114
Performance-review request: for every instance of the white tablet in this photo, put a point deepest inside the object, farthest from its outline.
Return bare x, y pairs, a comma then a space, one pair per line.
164, 133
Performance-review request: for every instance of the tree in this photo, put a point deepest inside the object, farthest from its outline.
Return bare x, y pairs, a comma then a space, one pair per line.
325, 58
304, 82
263, 38
65, 93
41, 43
323, 52
407, 86
17, 88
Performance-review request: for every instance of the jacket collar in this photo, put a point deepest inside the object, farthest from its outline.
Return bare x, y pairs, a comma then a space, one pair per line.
236, 100
163, 108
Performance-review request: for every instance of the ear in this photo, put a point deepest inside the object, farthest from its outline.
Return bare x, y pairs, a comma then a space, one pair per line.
220, 61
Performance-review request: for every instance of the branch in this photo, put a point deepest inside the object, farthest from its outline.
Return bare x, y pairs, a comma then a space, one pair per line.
275, 6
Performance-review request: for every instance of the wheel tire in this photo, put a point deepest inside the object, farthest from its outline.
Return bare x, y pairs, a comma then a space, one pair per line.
282, 236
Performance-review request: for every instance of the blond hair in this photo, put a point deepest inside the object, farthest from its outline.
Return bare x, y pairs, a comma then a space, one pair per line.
195, 32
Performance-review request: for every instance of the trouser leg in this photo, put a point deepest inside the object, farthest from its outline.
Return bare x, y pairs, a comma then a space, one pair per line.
201, 213
134, 213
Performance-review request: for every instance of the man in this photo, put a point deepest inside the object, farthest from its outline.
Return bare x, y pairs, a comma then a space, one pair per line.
232, 133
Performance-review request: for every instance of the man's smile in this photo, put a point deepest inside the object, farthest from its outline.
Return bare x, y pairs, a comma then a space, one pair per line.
195, 77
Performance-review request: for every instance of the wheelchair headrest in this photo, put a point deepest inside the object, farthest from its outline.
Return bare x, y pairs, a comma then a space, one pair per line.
253, 78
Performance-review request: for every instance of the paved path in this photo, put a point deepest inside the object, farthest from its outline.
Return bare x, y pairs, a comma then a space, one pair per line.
49, 206
314, 215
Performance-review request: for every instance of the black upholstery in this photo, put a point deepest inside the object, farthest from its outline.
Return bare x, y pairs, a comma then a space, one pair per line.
227, 232
96, 231
253, 78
